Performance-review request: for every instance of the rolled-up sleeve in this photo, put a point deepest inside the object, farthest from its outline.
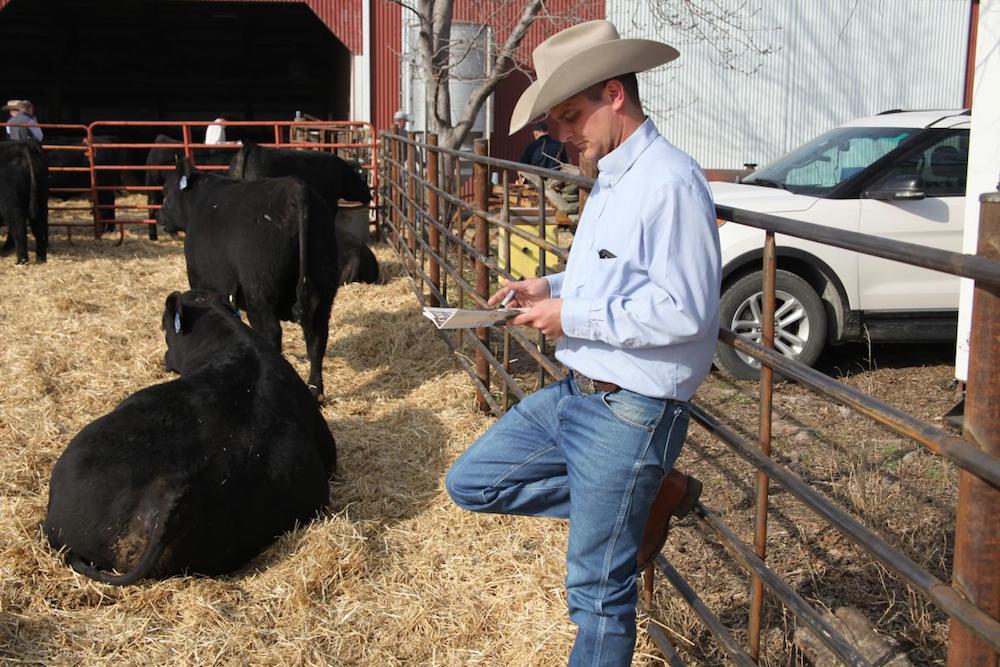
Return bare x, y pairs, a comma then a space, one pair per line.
555, 281
679, 249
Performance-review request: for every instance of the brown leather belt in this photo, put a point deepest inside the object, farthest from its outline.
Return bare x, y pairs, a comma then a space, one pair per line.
587, 386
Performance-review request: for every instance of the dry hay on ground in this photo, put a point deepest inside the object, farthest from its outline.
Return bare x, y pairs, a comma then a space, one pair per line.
395, 574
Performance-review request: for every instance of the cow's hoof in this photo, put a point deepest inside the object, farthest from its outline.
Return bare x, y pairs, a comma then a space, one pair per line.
41, 260
21, 261
317, 393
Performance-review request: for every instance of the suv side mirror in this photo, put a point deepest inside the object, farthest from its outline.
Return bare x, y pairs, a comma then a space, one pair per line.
901, 187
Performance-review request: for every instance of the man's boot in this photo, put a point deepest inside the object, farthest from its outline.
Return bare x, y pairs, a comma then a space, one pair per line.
677, 496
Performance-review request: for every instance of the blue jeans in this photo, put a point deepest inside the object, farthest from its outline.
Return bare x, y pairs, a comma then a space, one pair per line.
596, 460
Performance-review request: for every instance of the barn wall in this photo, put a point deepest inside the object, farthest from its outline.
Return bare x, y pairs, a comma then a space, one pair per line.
832, 61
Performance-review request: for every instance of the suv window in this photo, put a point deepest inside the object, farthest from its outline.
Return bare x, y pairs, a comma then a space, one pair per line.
819, 166
941, 164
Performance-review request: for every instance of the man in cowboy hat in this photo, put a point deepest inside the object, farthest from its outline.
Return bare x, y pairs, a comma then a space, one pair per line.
636, 313
22, 125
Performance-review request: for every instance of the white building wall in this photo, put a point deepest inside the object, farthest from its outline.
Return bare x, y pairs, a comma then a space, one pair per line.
834, 60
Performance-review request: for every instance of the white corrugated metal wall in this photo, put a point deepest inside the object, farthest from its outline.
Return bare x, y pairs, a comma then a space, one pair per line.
834, 60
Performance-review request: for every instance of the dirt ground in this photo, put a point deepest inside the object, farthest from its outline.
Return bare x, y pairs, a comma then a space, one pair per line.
393, 573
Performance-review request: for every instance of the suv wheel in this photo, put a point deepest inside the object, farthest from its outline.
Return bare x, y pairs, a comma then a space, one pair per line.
799, 316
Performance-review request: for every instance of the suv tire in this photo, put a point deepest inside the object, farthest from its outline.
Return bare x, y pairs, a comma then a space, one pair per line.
800, 321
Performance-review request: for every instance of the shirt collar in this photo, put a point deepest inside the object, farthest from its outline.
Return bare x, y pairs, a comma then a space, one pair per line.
613, 166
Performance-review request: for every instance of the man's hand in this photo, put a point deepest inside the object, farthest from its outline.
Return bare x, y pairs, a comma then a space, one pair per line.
527, 293
544, 315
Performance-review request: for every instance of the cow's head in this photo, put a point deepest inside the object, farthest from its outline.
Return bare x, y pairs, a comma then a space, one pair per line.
180, 313
354, 187
176, 188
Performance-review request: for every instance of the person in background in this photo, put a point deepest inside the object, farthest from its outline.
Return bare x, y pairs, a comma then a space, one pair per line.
216, 132
22, 124
399, 121
544, 150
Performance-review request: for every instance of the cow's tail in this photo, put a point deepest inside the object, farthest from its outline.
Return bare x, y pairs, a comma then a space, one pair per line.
155, 545
302, 288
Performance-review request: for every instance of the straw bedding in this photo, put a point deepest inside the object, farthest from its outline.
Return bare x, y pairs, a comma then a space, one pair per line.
393, 573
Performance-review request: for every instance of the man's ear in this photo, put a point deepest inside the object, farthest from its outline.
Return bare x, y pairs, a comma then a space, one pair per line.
173, 313
614, 92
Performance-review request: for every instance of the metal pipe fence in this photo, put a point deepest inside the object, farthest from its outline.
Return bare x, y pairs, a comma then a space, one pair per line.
456, 249
109, 158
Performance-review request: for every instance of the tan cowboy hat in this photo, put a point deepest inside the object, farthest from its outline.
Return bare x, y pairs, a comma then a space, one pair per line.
576, 58
20, 105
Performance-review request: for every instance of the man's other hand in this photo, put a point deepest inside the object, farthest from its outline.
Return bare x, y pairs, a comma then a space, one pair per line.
544, 315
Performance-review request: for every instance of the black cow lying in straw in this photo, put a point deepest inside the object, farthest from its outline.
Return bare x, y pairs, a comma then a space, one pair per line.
357, 263
267, 244
24, 198
197, 474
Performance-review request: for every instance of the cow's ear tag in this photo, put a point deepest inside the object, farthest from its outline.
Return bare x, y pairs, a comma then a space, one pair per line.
184, 182
177, 322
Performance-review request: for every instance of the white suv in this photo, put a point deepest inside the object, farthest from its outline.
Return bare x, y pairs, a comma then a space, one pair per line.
898, 175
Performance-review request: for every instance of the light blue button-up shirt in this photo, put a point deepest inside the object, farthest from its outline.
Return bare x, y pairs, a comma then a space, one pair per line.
641, 287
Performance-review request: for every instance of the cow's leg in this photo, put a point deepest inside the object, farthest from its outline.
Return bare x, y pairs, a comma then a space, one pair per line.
316, 329
266, 324
40, 230
18, 226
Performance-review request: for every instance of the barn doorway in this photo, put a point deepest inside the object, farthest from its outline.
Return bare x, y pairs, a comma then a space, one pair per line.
166, 59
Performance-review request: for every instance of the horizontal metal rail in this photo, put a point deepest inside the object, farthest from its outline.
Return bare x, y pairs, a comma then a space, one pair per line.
957, 450
957, 264
944, 596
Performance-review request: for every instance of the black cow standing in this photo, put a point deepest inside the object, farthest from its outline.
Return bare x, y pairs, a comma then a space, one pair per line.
264, 243
333, 178
166, 155
197, 474
329, 175
24, 198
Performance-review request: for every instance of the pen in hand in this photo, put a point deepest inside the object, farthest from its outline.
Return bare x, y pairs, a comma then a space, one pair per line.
508, 297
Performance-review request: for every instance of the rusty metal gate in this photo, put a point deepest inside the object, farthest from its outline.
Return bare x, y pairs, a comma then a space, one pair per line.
429, 225
99, 162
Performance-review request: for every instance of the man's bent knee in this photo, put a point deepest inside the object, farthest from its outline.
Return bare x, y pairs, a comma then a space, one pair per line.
462, 493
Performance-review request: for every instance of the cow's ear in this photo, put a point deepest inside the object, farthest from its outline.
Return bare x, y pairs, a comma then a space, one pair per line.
183, 172
173, 313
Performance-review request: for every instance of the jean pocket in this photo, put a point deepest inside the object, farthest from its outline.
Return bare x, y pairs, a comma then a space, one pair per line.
634, 409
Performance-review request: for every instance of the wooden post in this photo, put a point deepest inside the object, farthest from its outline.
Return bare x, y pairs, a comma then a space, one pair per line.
976, 574
433, 236
480, 177
411, 193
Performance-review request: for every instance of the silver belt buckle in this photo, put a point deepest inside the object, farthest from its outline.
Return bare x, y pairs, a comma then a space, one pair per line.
584, 383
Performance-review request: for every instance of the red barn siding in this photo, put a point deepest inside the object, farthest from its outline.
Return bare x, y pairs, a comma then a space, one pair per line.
387, 41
